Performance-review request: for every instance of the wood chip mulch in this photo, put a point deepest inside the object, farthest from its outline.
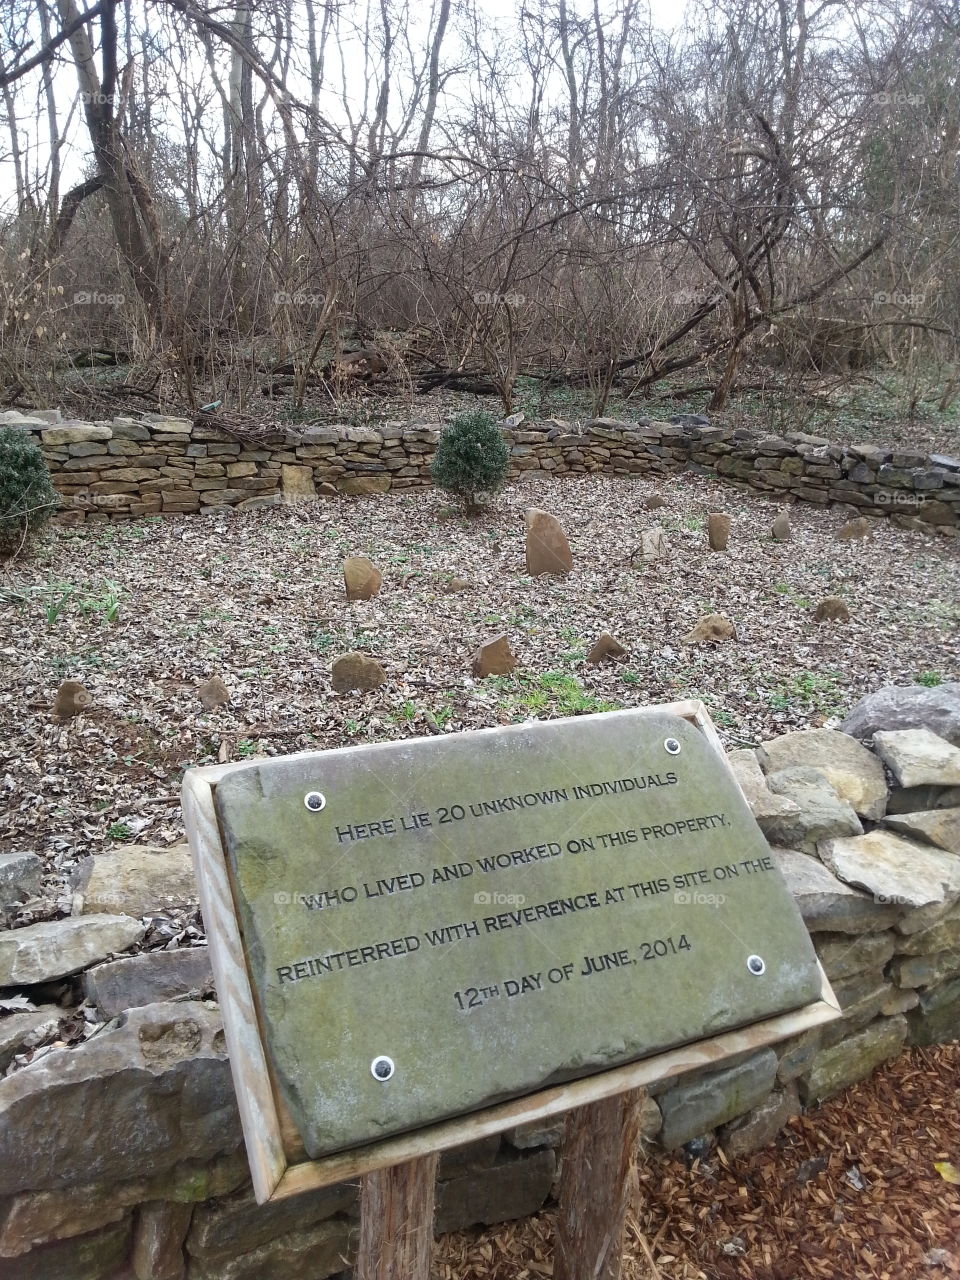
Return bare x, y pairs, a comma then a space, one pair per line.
848, 1192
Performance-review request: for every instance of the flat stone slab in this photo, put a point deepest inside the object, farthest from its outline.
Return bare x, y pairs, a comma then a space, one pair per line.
938, 826
151, 977
825, 902
435, 925
820, 813
918, 758
854, 772
20, 877
137, 880
40, 952
895, 870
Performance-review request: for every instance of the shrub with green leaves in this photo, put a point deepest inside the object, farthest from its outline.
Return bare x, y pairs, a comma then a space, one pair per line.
472, 457
27, 496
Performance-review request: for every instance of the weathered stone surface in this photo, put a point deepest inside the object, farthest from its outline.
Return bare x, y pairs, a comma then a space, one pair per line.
356, 671
825, 902
919, 799
40, 952
760, 1125
261, 809
72, 700
159, 1232
221, 1229
691, 1109
940, 827
98, 1255
538, 1133
482, 1153
780, 529
853, 1059
149, 978
319, 1251
925, 970
57, 437
718, 530
213, 693
605, 649
654, 545
899, 1002
361, 578
714, 628
20, 877
363, 486
157, 1089
918, 758
137, 880
842, 956
942, 936
17, 1030
907, 707
297, 484
822, 814
762, 801
831, 609
854, 772
493, 658
511, 1188
894, 869
861, 998
936, 1019
547, 548
797, 1054
858, 528
37, 1216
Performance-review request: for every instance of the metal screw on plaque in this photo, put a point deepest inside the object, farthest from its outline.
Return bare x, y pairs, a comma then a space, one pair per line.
315, 801
671, 746
756, 965
382, 1068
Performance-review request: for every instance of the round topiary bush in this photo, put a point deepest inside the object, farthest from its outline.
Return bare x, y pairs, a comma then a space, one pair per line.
27, 496
472, 457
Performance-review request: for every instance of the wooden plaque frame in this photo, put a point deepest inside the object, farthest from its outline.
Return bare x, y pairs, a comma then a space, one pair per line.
279, 1165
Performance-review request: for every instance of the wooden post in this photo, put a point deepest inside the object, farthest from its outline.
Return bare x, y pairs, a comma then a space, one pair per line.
396, 1221
597, 1183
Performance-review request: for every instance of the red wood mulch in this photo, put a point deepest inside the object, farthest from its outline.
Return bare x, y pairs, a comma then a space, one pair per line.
849, 1192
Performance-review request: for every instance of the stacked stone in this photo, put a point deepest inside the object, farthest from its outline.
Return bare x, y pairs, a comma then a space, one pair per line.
158, 465
157, 1187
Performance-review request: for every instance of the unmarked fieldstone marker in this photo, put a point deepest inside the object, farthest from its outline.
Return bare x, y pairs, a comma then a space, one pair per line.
718, 530
493, 658
712, 629
356, 672
72, 700
361, 578
213, 693
605, 649
547, 548
831, 609
781, 528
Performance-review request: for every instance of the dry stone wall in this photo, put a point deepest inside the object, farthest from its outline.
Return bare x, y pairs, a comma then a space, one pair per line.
122, 1156
155, 465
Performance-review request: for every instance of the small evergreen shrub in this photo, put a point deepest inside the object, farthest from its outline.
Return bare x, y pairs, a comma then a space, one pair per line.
472, 457
27, 496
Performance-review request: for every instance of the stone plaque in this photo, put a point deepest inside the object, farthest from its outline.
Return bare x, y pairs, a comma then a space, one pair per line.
436, 925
